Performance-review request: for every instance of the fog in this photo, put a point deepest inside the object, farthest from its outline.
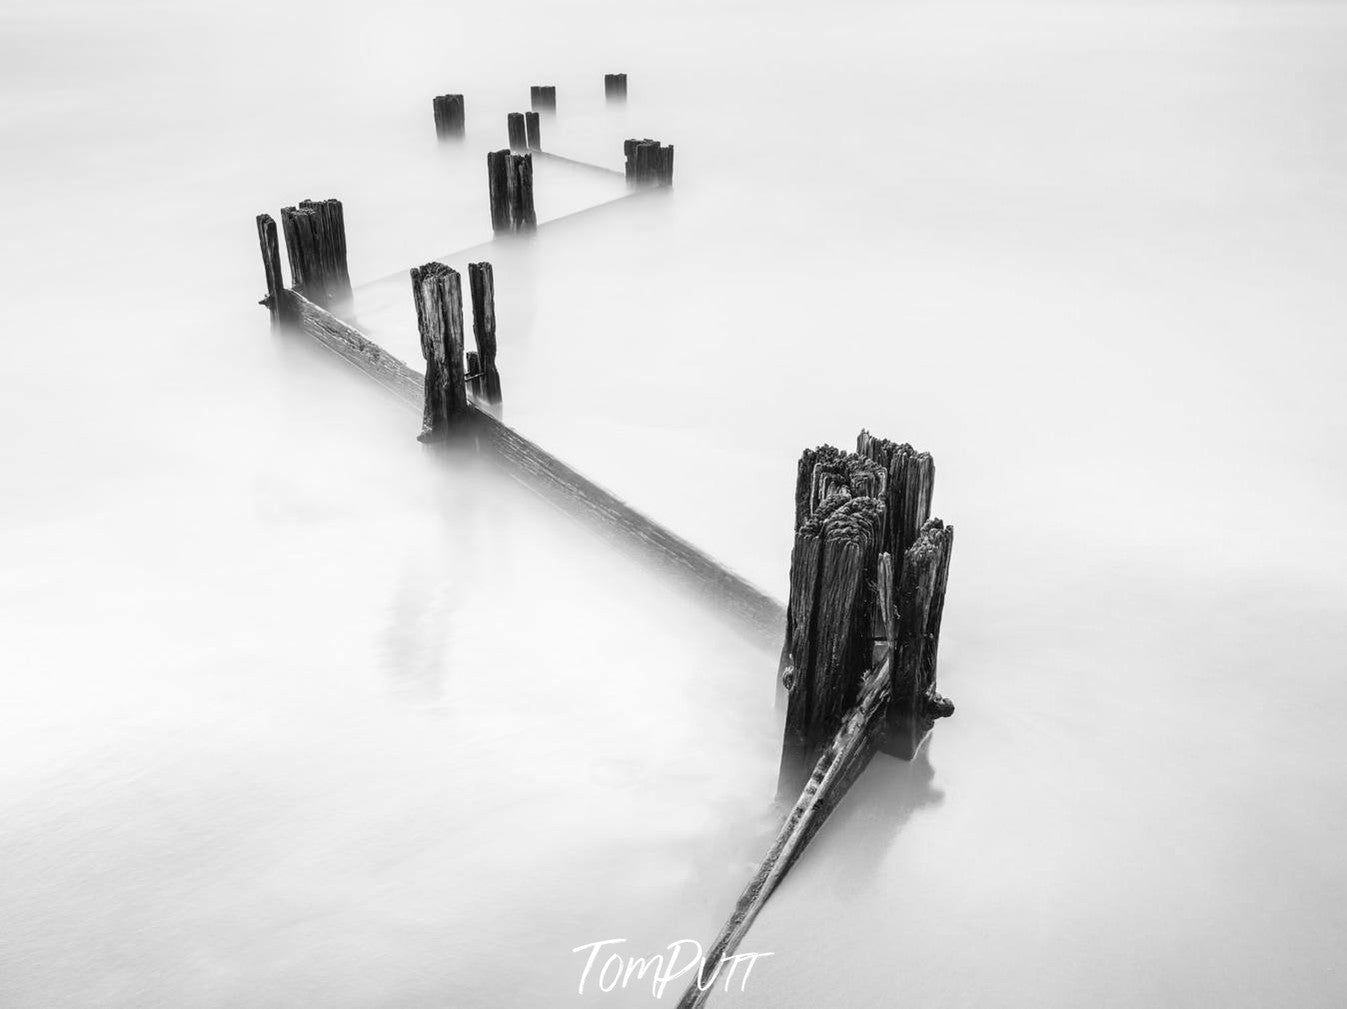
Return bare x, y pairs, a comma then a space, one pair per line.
297, 714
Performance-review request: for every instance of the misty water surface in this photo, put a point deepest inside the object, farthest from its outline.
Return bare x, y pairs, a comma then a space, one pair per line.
295, 715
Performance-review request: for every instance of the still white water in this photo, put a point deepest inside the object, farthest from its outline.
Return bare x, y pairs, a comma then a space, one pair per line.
293, 715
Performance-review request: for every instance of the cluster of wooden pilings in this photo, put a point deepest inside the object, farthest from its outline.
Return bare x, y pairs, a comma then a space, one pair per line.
510, 186
543, 98
449, 117
438, 292
315, 239
648, 163
867, 580
525, 131
615, 87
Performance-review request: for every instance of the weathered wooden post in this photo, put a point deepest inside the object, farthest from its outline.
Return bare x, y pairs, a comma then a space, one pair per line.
525, 219
271, 265
543, 98
482, 283
438, 293
449, 120
500, 176
510, 186
615, 87
515, 124
533, 128
648, 163
868, 576
315, 242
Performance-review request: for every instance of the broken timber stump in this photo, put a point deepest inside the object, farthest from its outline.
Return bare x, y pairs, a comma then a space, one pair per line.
315, 242
510, 187
481, 282
615, 87
438, 294
648, 163
533, 131
449, 120
543, 98
515, 128
847, 612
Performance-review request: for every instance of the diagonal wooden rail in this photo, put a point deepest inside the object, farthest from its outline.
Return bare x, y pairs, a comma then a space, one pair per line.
763, 617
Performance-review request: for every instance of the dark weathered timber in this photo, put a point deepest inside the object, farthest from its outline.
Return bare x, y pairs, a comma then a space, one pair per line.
533, 467
648, 163
271, 265
449, 118
348, 343
515, 128
438, 294
482, 284
315, 242
830, 615
910, 487
615, 87
543, 98
533, 131
524, 216
499, 173
915, 703
837, 768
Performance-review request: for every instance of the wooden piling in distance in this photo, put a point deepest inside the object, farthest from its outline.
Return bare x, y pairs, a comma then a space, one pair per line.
648, 163
510, 186
271, 266
449, 117
533, 131
543, 98
315, 243
438, 294
482, 284
615, 87
517, 134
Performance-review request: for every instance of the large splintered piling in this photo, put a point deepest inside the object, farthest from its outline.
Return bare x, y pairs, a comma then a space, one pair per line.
543, 98
449, 121
481, 281
315, 243
615, 87
867, 580
510, 186
515, 128
271, 266
648, 163
533, 131
437, 291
